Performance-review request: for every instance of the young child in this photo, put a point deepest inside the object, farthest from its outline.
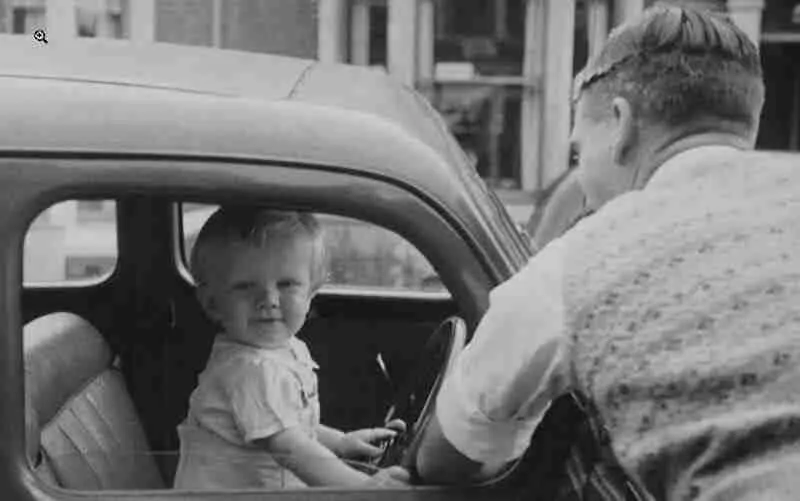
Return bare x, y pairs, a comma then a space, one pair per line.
253, 420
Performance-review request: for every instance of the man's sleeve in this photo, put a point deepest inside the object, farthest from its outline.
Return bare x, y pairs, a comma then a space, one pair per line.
514, 366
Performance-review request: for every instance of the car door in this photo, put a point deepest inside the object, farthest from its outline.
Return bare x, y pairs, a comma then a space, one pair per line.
142, 305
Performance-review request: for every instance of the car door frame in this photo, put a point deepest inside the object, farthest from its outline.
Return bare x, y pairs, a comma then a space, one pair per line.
466, 268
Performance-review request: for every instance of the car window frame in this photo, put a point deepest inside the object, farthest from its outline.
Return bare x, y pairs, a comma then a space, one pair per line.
80, 283
55, 178
341, 290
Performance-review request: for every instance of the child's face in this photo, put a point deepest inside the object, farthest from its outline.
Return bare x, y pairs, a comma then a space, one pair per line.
261, 295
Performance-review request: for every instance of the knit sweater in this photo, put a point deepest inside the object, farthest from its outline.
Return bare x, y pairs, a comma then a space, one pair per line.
683, 309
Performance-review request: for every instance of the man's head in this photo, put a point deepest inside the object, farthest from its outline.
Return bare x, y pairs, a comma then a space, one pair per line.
257, 270
677, 76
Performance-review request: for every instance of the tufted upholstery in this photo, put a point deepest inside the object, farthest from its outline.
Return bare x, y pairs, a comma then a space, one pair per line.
83, 430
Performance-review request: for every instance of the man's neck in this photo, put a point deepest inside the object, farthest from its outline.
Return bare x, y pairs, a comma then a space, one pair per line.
677, 144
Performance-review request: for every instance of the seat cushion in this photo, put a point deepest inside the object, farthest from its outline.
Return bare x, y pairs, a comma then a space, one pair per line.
83, 430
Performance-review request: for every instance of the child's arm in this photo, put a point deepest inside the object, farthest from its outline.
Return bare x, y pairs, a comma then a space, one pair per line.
316, 465
330, 438
359, 443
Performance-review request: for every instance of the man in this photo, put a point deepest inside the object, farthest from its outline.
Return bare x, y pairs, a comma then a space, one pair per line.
674, 307
565, 205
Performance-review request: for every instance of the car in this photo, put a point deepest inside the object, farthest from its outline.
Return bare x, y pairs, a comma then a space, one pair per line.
112, 154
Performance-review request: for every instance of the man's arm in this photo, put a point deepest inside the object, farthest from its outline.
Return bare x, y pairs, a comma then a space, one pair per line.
520, 402
491, 402
441, 463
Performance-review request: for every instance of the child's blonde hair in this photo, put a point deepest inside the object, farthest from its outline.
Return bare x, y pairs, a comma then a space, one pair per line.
255, 226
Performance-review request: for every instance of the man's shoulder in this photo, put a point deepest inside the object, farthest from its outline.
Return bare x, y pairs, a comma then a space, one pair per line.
700, 198
709, 164
543, 270
696, 182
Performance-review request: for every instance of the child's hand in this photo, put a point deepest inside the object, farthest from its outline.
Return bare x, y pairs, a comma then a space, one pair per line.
397, 425
362, 443
394, 476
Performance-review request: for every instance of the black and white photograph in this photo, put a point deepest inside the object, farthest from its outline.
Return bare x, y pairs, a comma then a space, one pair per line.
400, 250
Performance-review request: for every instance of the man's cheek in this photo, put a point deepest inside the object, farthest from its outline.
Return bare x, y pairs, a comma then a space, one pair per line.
585, 178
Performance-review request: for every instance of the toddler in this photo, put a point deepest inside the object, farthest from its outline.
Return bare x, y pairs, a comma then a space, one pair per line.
253, 420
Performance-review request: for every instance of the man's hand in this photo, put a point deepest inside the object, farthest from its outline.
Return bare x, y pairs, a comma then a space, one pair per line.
366, 443
439, 462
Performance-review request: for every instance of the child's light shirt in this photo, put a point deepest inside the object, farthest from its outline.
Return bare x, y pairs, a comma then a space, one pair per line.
245, 394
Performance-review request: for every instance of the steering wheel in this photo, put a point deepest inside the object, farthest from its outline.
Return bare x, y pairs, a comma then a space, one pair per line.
414, 401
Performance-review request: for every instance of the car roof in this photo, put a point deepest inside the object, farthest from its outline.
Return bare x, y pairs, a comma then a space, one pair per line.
220, 72
121, 97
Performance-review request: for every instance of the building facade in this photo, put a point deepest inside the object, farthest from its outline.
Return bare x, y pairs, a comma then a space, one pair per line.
499, 71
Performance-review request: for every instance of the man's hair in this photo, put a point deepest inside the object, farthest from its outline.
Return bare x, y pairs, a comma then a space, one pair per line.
677, 66
255, 226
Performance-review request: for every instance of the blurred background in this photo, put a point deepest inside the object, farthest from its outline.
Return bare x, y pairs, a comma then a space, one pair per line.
499, 71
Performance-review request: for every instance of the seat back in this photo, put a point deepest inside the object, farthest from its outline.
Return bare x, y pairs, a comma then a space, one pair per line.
83, 431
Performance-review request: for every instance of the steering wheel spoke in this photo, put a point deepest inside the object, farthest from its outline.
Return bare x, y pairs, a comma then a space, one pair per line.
414, 401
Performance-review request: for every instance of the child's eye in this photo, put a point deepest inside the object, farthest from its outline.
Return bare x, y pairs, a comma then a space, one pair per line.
289, 284
243, 286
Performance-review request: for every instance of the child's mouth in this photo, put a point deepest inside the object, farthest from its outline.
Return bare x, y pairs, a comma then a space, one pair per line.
267, 321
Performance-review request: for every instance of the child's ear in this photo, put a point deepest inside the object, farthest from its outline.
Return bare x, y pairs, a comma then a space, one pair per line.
207, 301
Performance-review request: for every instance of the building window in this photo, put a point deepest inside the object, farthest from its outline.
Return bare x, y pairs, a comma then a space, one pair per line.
780, 16
368, 20
62, 247
711, 5
490, 34
27, 18
95, 210
100, 18
478, 53
90, 206
88, 267
485, 119
378, 22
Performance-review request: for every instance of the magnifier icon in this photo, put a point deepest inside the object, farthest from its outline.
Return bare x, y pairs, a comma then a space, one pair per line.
40, 36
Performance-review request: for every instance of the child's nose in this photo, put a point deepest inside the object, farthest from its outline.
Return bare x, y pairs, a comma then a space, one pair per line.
268, 297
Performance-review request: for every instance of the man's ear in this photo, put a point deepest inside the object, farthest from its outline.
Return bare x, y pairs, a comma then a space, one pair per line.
626, 132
